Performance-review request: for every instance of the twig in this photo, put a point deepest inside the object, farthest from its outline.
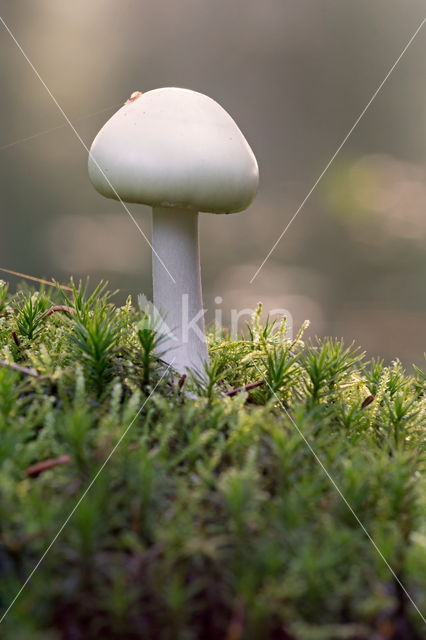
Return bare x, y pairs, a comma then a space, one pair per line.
39, 467
367, 401
16, 340
58, 307
247, 387
48, 282
181, 381
17, 367
236, 624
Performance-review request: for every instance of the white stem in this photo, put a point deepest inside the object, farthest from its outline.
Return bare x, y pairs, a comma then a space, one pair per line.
180, 303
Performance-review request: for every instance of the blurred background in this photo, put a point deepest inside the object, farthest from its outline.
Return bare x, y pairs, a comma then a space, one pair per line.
295, 76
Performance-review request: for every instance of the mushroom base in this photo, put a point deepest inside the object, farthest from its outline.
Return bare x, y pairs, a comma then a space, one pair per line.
180, 303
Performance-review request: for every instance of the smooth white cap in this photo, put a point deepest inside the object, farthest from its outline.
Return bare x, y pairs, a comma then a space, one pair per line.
174, 147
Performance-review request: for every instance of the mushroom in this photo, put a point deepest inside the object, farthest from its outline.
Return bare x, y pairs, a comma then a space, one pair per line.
180, 152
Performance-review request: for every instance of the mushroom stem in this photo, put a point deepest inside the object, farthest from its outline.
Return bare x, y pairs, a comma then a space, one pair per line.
180, 303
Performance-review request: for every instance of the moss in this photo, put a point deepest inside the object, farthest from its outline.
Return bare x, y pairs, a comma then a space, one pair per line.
213, 517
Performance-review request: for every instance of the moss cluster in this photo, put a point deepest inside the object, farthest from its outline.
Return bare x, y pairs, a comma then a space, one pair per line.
220, 512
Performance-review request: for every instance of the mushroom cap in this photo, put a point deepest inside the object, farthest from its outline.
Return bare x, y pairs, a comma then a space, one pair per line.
174, 147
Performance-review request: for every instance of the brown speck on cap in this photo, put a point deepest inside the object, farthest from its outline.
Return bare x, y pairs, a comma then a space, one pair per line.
135, 95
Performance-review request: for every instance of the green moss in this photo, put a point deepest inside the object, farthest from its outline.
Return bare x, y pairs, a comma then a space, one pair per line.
212, 518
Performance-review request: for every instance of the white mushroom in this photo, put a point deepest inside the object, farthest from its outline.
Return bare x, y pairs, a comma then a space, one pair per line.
180, 152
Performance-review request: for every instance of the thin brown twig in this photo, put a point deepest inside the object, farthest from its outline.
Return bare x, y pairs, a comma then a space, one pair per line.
236, 625
16, 340
18, 367
45, 465
50, 283
368, 400
58, 307
246, 387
